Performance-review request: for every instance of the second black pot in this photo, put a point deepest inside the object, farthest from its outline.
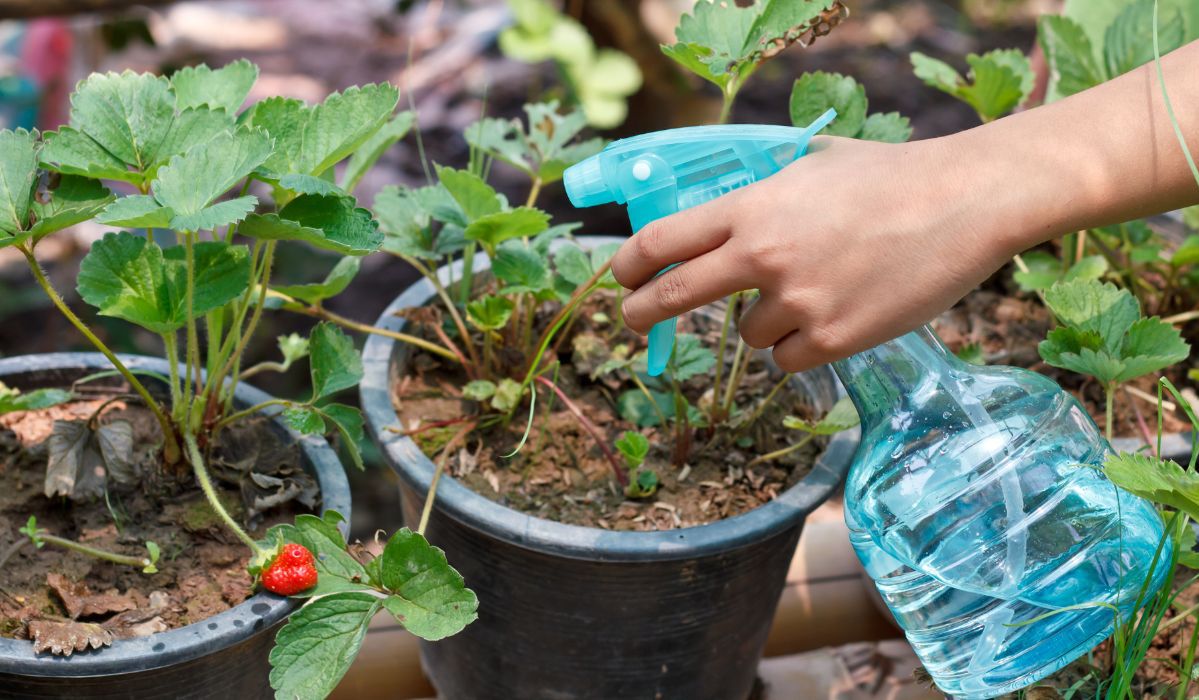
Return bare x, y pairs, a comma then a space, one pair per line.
575, 613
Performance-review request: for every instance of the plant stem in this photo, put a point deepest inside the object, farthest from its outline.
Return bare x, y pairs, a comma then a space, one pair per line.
771, 456
467, 283
192, 342
450, 307
584, 421
1181, 318
249, 412
197, 460
248, 332
171, 444
766, 401
442, 459
730, 391
262, 367
729, 97
326, 315
555, 323
649, 397
720, 350
170, 342
139, 562
534, 191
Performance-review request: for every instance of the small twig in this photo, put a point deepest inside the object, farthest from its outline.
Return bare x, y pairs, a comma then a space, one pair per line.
1181, 318
590, 428
777, 454
1150, 398
441, 462
766, 402
12, 551
433, 425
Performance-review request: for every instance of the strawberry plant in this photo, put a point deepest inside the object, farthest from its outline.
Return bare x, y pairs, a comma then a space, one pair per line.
598, 80
1104, 335
202, 195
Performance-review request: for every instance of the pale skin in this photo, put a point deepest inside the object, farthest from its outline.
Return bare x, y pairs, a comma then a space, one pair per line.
859, 242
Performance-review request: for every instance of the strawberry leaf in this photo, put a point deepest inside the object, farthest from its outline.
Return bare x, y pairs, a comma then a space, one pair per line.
997, 83
304, 420
404, 220
521, 269
329, 223
1093, 306
190, 182
690, 357
545, 150
475, 198
1127, 44
18, 177
136, 211
634, 447
842, 416
429, 598
493, 229
489, 313
1155, 479
1069, 53
348, 422
16, 400
889, 127
128, 114
336, 364
335, 283
373, 149
814, 93
224, 88
319, 643
73, 200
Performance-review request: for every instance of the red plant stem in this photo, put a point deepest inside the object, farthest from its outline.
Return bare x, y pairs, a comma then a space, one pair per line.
1141, 424
590, 428
471, 369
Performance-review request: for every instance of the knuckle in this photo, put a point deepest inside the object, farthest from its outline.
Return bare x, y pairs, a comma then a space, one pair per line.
825, 341
647, 241
673, 292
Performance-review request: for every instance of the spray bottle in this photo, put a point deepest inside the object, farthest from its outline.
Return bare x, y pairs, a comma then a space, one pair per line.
976, 499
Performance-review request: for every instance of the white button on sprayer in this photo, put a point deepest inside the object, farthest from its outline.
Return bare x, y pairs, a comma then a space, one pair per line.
642, 170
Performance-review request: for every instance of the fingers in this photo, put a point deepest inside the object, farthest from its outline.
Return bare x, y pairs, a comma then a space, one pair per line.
766, 322
674, 239
690, 285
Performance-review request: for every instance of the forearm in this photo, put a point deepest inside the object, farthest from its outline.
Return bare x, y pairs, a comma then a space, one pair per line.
1103, 156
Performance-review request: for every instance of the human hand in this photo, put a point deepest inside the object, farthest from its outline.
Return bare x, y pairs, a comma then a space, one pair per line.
852, 245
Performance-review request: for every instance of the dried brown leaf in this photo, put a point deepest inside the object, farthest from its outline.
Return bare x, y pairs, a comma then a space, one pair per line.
66, 638
79, 601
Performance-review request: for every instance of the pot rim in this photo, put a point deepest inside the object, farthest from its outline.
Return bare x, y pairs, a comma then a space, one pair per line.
561, 539
256, 614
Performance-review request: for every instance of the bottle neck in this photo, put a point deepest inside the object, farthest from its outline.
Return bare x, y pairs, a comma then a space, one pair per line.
881, 380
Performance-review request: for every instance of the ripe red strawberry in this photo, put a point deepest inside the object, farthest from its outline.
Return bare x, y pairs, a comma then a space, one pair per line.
292, 571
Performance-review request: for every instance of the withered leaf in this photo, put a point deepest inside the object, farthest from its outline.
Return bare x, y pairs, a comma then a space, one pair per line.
265, 467
66, 638
79, 601
80, 459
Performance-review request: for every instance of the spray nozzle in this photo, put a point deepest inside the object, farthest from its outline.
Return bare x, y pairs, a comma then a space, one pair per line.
663, 172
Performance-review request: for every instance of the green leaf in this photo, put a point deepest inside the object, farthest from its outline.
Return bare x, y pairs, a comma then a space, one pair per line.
521, 269
474, 197
1094, 306
310, 184
1069, 53
643, 485
636, 408
335, 283
690, 357
329, 223
349, 424
373, 149
1151, 345
125, 276
304, 420
891, 127
405, 221
722, 42
842, 416
971, 353
1081, 352
224, 88
429, 599
127, 115
489, 313
1128, 44
136, 211
317, 645
507, 395
212, 217
1044, 270
16, 400
73, 200
1187, 253
310, 140
336, 364
18, 177
190, 128
478, 390
814, 93
573, 264
545, 150
337, 569
493, 229
634, 447
190, 182
998, 82
1155, 479
70, 151
1091, 267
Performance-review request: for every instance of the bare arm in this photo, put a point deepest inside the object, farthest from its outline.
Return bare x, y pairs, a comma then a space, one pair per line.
859, 242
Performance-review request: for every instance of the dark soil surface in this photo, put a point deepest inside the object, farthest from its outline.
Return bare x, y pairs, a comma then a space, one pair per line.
562, 474
60, 592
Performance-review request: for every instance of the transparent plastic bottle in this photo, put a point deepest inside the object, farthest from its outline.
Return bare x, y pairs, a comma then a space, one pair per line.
977, 504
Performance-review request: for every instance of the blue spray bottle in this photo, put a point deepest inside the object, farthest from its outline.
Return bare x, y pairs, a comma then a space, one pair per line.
976, 499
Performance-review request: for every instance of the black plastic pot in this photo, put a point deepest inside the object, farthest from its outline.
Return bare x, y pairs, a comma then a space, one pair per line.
574, 613
223, 657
